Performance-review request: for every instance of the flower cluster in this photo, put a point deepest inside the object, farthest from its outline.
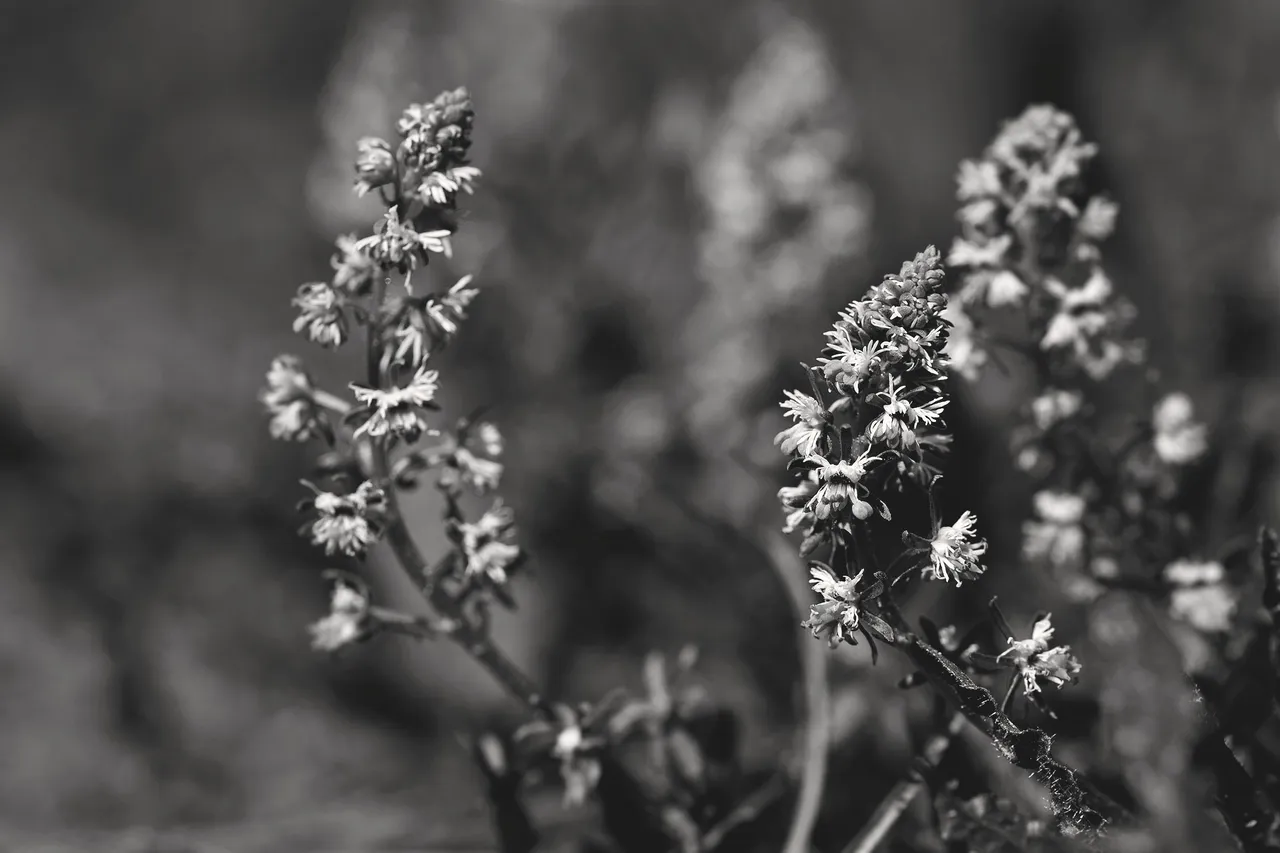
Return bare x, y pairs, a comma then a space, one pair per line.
871, 424
418, 178
1029, 242
1199, 595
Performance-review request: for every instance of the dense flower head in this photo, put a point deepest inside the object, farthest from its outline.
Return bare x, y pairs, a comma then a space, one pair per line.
347, 523
1088, 325
435, 138
289, 398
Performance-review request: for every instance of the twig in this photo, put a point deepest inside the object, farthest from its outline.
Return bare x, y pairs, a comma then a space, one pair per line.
747, 810
902, 794
817, 728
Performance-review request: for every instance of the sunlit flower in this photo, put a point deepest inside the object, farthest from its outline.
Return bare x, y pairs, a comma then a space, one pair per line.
398, 411
347, 524
954, 552
1179, 439
320, 314
397, 245
1034, 659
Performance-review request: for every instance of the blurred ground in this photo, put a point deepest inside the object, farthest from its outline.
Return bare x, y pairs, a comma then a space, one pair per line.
678, 196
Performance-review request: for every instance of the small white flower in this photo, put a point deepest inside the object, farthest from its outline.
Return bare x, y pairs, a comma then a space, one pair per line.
954, 552
838, 614
1034, 659
1179, 439
897, 425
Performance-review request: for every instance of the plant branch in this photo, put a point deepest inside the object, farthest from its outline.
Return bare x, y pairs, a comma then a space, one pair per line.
900, 797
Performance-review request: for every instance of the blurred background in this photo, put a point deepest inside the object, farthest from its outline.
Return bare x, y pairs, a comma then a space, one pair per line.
678, 197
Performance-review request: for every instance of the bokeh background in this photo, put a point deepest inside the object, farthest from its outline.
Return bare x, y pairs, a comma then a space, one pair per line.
677, 198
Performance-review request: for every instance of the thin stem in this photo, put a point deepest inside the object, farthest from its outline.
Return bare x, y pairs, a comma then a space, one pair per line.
900, 797
332, 402
747, 810
473, 639
817, 729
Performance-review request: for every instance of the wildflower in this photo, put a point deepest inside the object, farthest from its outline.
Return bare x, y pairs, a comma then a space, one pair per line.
1040, 156
1179, 439
1057, 536
347, 524
1034, 659
954, 552
1005, 288
897, 425
1200, 596
1054, 406
347, 622
443, 186
977, 179
479, 473
290, 400
487, 555
398, 411
397, 245
838, 485
353, 268
812, 421
965, 355
419, 326
840, 612
853, 363
375, 164
320, 314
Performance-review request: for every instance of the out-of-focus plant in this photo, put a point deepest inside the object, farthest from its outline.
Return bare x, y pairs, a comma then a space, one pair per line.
867, 442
